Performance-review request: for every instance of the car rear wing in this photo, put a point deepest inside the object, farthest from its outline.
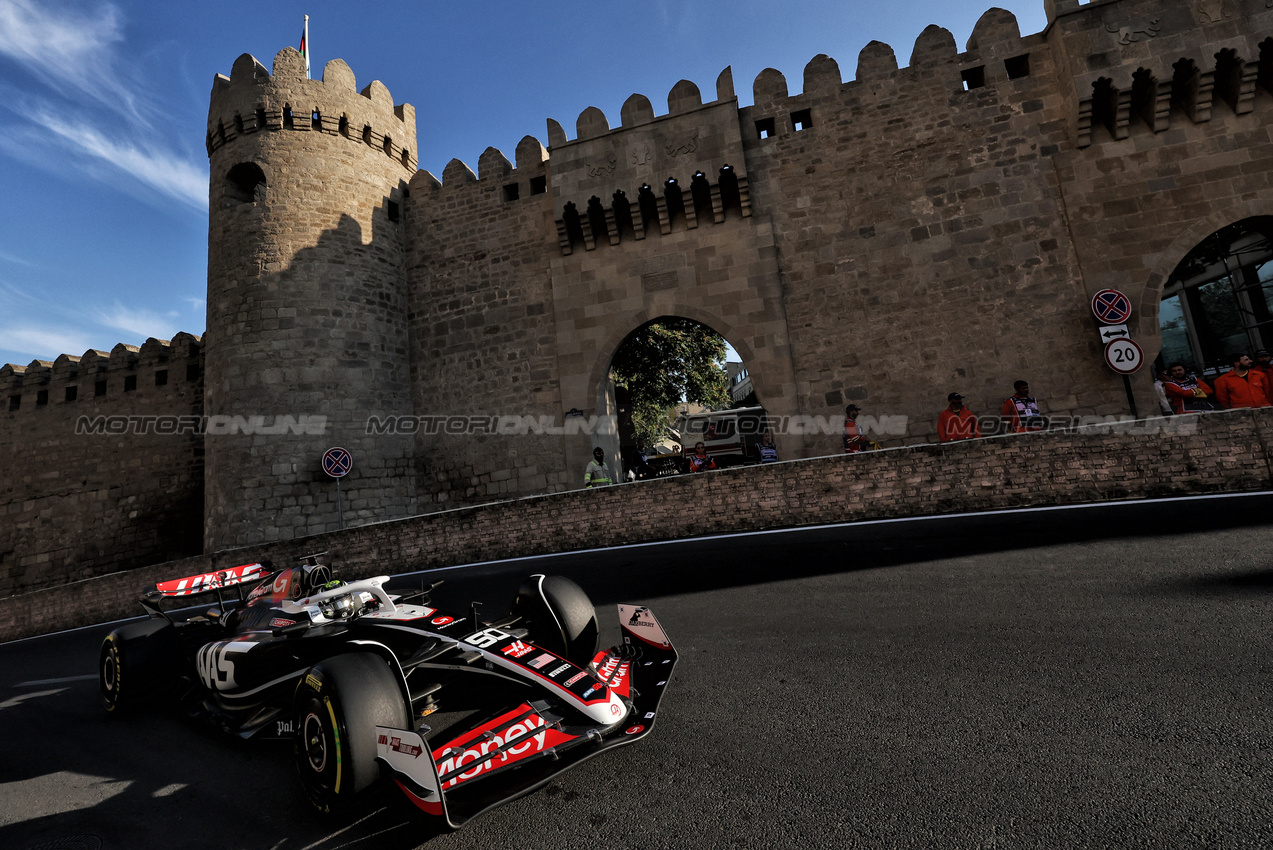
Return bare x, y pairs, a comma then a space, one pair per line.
520, 750
197, 585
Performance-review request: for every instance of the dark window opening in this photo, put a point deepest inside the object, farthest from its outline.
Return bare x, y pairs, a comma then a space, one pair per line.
41, 398
15, 401
238, 125
1229, 77
623, 222
1018, 66
220, 133
675, 200
288, 123
99, 389
765, 128
801, 120
366, 134
260, 119
1104, 104
648, 206
161, 378
1184, 86
1144, 96
730, 196
343, 126
511, 192
72, 393
316, 120
574, 229
245, 184
406, 158
130, 383
974, 78
597, 218
192, 371
388, 145
393, 211
538, 185
1264, 76
701, 192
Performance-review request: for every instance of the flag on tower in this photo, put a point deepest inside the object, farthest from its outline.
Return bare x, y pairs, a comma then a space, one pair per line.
305, 45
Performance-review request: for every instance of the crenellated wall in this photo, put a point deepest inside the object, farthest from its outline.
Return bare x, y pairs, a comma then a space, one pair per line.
101, 462
882, 233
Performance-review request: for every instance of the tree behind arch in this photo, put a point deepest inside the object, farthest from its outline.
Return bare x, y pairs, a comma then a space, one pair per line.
666, 362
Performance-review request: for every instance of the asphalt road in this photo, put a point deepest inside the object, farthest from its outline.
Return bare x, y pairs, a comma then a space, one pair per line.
1075, 678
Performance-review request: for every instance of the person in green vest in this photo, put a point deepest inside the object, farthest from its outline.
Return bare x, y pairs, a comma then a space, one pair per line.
597, 474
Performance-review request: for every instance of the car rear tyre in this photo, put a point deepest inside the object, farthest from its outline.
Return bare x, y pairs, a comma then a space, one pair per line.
338, 705
560, 616
138, 665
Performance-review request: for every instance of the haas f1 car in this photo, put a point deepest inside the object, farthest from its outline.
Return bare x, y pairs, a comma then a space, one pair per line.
461, 714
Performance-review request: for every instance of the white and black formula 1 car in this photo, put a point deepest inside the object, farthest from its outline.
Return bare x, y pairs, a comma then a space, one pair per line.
461, 714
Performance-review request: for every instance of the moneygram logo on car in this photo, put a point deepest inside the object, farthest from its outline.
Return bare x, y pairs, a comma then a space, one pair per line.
530, 737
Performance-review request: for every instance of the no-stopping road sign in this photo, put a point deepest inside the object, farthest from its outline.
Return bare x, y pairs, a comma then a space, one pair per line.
1111, 307
337, 462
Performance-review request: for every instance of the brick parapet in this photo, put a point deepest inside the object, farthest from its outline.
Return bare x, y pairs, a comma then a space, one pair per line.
1227, 453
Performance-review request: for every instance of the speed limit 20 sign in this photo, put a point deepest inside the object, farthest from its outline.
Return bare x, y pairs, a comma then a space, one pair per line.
1124, 356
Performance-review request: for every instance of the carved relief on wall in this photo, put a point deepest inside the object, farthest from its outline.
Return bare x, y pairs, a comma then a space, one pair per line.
1215, 11
1137, 32
684, 147
598, 170
642, 156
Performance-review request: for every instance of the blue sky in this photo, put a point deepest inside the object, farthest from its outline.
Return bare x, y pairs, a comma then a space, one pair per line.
103, 111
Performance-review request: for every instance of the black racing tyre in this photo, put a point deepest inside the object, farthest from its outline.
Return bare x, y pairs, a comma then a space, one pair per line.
560, 616
138, 665
338, 705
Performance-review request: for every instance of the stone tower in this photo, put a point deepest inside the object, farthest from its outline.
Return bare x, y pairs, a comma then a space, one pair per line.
307, 296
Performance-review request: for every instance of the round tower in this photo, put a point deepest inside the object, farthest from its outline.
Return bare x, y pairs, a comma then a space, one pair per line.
306, 345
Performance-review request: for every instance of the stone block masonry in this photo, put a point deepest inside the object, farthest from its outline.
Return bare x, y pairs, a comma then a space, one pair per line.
1227, 453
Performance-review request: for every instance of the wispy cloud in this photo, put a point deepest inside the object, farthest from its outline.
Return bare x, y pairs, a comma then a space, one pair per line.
141, 323
171, 175
79, 84
71, 50
33, 342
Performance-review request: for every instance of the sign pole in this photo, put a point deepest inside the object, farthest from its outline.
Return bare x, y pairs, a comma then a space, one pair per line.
340, 510
337, 463
1127, 385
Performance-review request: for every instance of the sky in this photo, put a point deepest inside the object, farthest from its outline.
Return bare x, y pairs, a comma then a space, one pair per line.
104, 106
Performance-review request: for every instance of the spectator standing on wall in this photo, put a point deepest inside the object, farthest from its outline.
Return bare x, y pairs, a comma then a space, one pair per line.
1188, 393
766, 450
1242, 386
699, 461
597, 474
957, 422
1020, 411
854, 439
1160, 391
1265, 368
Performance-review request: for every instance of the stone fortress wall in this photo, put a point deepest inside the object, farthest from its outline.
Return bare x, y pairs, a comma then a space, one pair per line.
883, 240
101, 462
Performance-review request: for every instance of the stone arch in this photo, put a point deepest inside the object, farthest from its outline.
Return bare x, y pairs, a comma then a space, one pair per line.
1252, 310
1185, 242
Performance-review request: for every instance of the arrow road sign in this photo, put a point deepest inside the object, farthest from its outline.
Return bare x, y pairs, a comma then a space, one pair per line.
1124, 356
1109, 333
1111, 306
337, 462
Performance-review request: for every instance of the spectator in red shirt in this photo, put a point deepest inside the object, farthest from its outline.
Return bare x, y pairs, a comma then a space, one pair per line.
1242, 386
957, 422
854, 439
1187, 393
